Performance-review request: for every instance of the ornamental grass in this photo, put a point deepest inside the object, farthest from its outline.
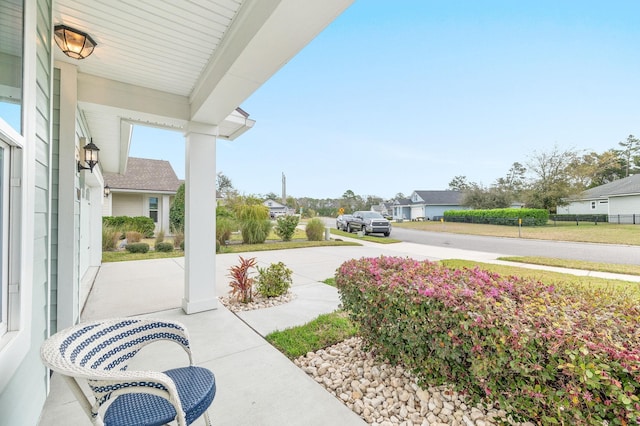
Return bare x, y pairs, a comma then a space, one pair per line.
551, 354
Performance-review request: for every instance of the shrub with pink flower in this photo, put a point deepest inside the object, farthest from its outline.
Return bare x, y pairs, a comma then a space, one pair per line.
548, 353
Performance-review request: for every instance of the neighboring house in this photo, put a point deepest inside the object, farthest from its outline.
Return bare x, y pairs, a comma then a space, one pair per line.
385, 209
402, 209
52, 106
427, 205
619, 199
146, 188
276, 209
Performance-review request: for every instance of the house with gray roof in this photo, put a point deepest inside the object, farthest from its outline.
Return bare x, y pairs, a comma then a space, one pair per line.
147, 188
427, 205
619, 199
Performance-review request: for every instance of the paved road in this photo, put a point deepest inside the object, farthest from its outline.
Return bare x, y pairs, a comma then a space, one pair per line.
607, 253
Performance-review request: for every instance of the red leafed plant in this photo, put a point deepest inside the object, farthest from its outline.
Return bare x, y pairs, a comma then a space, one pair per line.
241, 283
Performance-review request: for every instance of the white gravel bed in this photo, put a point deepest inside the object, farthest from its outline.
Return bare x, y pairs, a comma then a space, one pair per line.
384, 395
258, 302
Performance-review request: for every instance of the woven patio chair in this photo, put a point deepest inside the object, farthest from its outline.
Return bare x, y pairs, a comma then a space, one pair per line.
99, 353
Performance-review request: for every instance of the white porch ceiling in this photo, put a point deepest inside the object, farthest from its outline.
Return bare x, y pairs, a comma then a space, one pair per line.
167, 62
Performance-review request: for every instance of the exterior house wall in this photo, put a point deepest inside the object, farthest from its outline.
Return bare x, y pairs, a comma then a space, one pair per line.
55, 180
402, 212
137, 204
417, 211
585, 207
625, 205
127, 204
625, 209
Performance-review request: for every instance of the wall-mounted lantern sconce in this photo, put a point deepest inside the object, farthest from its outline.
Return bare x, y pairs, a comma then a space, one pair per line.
73, 43
90, 156
107, 191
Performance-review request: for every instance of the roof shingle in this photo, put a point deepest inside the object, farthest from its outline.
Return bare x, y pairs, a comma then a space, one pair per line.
144, 174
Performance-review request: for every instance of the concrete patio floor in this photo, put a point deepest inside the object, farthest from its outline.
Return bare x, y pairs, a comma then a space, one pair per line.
257, 385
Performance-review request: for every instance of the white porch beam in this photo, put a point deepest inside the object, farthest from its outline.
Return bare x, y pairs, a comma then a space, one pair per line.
102, 91
200, 219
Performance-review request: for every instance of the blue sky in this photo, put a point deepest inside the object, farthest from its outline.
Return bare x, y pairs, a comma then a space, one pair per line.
404, 95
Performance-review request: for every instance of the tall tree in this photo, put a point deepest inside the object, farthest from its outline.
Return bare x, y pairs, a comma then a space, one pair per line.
271, 196
552, 178
479, 197
372, 200
631, 148
176, 211
399, 196
351, 202
223, 185
459, 183
515, 180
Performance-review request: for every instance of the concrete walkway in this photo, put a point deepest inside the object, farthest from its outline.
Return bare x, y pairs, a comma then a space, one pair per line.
257, 385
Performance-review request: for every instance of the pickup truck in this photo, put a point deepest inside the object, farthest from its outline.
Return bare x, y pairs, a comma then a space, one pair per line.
369, 223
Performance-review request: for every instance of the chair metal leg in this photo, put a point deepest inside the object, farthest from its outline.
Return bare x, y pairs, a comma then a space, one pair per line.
207, 420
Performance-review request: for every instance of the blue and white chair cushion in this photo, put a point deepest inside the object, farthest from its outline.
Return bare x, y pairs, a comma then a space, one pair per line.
100, 352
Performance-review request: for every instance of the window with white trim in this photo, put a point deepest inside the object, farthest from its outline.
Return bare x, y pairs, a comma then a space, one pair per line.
593, 205
153, 209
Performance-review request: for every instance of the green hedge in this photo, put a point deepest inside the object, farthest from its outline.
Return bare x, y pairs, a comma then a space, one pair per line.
137, 248
164, 247
530, 217
141, 224
560, 354
580, 217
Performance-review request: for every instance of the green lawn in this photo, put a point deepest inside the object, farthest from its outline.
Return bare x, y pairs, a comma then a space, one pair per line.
576, 264
324, 331
606, 233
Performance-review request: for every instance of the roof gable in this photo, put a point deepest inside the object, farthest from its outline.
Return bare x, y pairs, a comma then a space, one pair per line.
439, 197
143, 174
625, 186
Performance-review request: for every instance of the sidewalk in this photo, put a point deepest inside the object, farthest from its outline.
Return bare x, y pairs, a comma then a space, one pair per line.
257, 385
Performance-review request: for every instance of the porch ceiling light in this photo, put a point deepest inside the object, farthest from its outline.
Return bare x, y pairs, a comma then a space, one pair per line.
73, 43
90, 156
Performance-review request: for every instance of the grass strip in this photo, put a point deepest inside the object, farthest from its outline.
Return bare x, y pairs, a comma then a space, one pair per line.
322, 332
282, 245
330, 281
550, 277
122, 256
370, 238
576, 264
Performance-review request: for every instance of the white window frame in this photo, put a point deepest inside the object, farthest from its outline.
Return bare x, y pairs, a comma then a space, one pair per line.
16, 342
593, 205
5, 196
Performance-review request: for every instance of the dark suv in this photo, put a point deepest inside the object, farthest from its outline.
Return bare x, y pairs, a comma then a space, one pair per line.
369, 223
342, 220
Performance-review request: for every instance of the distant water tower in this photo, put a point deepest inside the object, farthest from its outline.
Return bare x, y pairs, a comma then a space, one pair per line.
284, 189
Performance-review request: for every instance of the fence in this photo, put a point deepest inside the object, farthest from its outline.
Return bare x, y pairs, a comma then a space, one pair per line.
629, 219
620, 219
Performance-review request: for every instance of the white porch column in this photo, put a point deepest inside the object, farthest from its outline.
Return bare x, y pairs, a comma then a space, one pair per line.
200, 219
68, 282
165, 206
